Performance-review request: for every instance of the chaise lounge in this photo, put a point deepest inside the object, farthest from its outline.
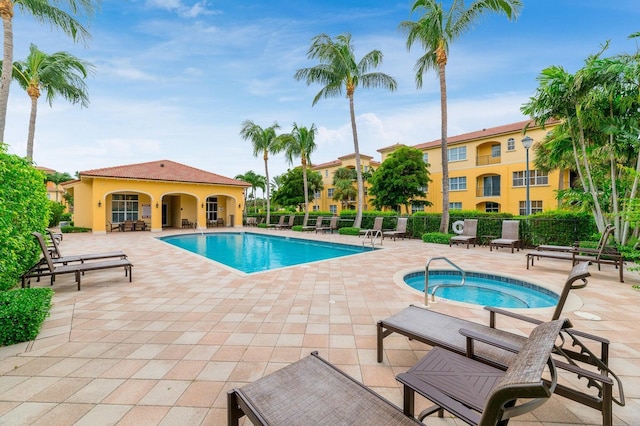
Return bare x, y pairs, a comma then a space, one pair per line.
48, 268
333, 226
439, 330
469, 233
399, 232
57, 256
510, 236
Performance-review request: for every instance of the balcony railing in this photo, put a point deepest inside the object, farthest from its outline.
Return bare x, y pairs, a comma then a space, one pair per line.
482, 191
483, 160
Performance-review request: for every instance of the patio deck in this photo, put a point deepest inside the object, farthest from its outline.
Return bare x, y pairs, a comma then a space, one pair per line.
166, 348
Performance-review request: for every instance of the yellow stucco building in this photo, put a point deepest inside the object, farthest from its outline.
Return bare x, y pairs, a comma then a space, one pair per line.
160, 193
487, 170
323, 200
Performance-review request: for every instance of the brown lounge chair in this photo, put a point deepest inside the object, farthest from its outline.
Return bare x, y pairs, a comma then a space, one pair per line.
287, 225
480, 394
510, 236
333, 226
399, 232
602, 255
48, 268
377, 226
311, 391
439, 330
275, 225
469, 233
57, 256
318, 224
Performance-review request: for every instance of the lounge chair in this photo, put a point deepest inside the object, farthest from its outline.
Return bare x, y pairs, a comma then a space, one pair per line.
480, 394
469, 233
140, 225
48, 268
287, 225
333, 226
111, 226
57, 257
311, 391
510, 236
399, 232
602, 255
251, 221
275, 225
318, 224
127, 225
377, 226
604, 238
439, 330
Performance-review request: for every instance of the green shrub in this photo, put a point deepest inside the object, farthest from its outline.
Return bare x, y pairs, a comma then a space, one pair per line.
24, 208
22, 313
349, 231
66, 217
262, 225
297, 228
55, 213
436, 237
73, 229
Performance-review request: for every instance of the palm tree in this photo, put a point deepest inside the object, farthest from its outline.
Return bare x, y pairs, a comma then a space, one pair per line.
264, 142
300, 143
45, 11
256, 181
338, 69
435, 30
58, 74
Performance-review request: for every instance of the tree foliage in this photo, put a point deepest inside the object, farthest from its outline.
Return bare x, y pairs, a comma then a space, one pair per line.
24, 208
344, 190
400, 180
291, 191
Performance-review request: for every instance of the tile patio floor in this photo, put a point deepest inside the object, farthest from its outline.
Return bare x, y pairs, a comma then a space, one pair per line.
166, 348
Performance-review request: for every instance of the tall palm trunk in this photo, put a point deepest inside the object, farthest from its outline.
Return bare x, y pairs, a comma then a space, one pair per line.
34, 94
442, 62
305, 185
358, 220
6, 13
266, 173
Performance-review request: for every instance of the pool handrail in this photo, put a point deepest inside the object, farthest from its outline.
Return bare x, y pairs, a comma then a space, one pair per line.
426, 278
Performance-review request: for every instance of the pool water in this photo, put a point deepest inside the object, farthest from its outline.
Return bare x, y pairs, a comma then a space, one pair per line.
485, 289
251, 253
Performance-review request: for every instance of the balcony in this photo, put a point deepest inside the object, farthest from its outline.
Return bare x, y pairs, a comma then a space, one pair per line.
484, 160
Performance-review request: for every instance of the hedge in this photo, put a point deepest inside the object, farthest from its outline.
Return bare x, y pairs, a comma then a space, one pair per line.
22, 313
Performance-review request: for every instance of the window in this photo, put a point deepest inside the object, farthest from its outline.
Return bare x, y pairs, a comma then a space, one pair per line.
511, 144
535, 178
316, 208
425, 158
424, 189
366, 169
455, 206
333, 209
212, 208
458, 183
536, 207
495, 151
491, 207
457, 154
124, 207
330, 192
417, 208
317, 195
326, 173
491, 186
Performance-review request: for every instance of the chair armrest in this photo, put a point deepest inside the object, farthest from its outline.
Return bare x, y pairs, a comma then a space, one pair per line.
474, 335
583, 372
493, 311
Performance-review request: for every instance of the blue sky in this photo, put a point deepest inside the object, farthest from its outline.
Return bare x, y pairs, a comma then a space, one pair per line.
176, 78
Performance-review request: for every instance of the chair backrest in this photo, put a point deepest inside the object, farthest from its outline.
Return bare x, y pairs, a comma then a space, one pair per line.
45, 251
54, 241
470, 228
377, 223
604, 238
319, 220
281, 221
524, 377
291, 219
511, 229
402, 224
578, 272
333, 223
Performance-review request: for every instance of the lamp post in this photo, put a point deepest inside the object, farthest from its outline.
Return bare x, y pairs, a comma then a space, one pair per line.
527, 142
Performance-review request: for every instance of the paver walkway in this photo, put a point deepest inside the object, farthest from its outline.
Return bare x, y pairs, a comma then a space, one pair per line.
166, 348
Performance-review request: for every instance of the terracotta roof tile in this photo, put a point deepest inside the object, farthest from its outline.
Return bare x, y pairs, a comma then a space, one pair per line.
164, 170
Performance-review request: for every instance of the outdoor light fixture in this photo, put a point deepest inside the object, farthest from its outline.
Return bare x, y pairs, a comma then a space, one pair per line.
527, 142
157, 205
99, 203
202, 205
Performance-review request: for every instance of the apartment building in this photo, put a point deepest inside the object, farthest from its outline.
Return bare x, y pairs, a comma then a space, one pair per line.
323, 200
487, 171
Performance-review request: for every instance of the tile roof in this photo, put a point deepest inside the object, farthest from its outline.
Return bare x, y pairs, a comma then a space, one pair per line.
163, 170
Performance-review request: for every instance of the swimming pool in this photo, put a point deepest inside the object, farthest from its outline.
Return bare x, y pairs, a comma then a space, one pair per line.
251, 253
484, 289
